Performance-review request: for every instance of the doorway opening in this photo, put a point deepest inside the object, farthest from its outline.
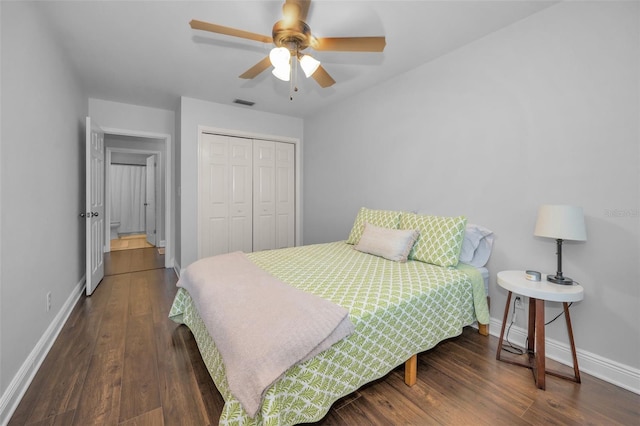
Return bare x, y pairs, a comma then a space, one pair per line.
151, 154
133, 194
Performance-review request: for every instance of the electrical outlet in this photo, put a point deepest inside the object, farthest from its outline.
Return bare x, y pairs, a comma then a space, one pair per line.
48, 301
519, 304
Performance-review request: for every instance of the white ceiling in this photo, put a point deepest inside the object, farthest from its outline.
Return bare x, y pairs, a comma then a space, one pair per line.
145, 53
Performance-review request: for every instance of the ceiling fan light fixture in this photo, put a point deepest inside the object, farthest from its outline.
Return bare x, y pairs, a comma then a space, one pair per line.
283, 72
280, 57
309, 65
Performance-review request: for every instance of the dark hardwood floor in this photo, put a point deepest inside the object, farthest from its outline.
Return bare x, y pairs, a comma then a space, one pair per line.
120, 361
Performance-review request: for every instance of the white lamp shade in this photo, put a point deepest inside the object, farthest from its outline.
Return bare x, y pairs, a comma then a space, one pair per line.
279, 57
309, 65
283, 73
561, 222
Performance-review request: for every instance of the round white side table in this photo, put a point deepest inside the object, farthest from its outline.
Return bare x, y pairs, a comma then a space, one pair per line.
538, 292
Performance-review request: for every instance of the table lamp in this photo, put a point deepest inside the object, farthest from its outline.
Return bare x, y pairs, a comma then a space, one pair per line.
562, 223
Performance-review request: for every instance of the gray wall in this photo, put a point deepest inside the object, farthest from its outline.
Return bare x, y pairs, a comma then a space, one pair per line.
42, 177
543, 111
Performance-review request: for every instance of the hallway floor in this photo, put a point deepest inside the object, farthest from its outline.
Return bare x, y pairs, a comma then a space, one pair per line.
128, 242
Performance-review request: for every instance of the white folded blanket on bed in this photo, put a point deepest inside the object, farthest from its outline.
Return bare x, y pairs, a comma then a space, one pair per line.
260, 325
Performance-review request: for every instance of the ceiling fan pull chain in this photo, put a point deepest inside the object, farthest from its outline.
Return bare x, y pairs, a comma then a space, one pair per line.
291, 86
295, 72
294, 75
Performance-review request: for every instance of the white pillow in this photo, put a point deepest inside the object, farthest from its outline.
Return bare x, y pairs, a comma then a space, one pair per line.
392, 244
476, 245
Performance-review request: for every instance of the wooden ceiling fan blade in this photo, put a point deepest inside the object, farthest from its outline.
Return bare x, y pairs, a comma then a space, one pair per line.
350, 44
215, 28
323, 78
255, 70
302, 8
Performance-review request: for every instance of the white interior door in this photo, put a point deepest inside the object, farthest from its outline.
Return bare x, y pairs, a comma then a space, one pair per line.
94, 211
150, 200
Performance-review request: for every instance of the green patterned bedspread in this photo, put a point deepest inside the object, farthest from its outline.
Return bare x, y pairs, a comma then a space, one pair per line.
398, 309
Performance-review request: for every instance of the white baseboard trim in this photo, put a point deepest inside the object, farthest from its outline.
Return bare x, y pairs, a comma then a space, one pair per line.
23, 378
595, 365
176, 269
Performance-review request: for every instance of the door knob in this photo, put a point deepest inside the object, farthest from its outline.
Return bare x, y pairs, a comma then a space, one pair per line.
94, 214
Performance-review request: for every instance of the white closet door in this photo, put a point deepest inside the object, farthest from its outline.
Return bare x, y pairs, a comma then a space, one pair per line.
264, 193
285, 195
213, 221
224, 169
246, 195
240, 200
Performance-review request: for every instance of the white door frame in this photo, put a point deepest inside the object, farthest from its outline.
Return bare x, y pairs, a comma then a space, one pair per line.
169, 260
273, 138
151, 209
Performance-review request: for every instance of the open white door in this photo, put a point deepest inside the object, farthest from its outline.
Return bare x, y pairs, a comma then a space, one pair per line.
150, 201
94, 212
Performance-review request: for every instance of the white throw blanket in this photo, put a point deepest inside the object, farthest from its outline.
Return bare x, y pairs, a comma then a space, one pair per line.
260, 325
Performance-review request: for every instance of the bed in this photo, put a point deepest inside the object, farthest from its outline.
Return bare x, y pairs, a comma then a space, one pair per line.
398, 309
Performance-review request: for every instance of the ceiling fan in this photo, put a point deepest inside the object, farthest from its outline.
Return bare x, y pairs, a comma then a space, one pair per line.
292, 36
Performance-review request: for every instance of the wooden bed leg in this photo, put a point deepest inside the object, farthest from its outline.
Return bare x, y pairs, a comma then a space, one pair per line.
411, 370
483, 329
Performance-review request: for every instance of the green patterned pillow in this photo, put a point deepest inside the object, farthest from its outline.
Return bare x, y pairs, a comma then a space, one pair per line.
381, 218
440, 239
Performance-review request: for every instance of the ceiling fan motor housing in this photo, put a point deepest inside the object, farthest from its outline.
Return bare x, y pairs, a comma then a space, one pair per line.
297, 33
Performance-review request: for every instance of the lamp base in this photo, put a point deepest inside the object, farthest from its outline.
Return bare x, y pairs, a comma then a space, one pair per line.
560, 279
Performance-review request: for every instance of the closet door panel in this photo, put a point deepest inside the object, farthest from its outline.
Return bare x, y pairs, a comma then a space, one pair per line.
264, 219
217, 231
240, 200
213, 208
285, 195
217, 237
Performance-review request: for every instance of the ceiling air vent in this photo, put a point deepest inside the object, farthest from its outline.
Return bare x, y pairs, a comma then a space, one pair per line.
243, 102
